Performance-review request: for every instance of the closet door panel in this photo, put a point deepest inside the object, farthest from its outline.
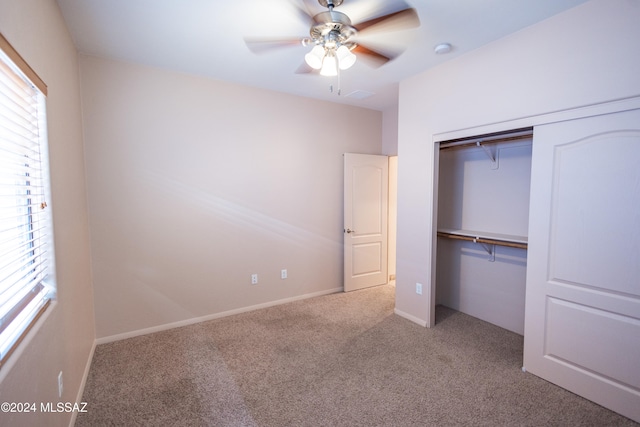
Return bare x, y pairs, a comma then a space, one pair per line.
582, 313
596, 186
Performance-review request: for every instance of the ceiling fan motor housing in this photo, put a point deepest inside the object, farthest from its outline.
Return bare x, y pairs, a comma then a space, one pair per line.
332, 26
330, 3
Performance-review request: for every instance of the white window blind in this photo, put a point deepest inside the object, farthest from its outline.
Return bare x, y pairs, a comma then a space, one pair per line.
26, 250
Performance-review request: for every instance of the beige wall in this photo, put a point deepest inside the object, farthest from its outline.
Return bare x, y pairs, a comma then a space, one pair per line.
63, 339
390, 131
195, 184
587, 55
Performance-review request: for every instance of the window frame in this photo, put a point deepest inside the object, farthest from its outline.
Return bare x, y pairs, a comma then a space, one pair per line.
24, 303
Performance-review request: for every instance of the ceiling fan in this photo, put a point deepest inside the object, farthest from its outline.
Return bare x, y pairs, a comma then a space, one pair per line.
334, 39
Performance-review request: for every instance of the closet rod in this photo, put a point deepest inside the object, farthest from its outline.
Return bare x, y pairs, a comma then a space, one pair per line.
517, 135
483, 240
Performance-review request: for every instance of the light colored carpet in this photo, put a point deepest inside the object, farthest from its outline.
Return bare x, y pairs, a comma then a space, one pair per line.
338, 360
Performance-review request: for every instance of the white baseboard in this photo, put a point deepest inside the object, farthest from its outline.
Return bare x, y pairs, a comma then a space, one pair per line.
194, 320
410, 317
85, 375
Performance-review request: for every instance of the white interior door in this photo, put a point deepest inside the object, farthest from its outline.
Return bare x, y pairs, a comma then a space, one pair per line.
582, 316
366, 187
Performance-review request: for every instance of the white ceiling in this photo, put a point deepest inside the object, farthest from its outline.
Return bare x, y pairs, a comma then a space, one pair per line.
206, 37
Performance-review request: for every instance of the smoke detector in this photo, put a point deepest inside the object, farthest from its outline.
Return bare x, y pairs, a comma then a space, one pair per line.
442, 48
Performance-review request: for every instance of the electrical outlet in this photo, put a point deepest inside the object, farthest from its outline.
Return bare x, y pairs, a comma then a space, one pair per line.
419, 288
60, 385
254, 279
283, 274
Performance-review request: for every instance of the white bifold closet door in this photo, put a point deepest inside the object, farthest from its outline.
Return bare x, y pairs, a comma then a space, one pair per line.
582, 311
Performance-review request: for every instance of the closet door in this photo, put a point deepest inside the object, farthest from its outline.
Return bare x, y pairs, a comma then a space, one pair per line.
582, 315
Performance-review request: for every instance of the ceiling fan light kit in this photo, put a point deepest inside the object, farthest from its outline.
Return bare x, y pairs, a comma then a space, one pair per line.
345, 57
329, 64
314, 57
332, 36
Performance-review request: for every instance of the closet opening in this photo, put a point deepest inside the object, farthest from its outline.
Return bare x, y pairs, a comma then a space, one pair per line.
482, 226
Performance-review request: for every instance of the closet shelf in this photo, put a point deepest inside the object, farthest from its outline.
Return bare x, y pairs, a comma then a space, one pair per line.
484, 237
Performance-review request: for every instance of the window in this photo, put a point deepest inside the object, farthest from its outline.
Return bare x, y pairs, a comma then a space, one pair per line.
26, 249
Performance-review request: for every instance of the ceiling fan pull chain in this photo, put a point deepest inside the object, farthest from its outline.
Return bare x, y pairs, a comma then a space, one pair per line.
339, 91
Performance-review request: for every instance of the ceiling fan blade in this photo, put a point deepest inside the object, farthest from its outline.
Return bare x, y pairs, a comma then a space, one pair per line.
371, 56
261, 45
303, 11
400, 20
304, 68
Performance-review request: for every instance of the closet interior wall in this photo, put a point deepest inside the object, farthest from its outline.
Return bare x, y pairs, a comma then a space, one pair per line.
483, 216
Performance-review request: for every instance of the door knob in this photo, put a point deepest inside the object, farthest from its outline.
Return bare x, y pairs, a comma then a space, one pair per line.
350, 231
